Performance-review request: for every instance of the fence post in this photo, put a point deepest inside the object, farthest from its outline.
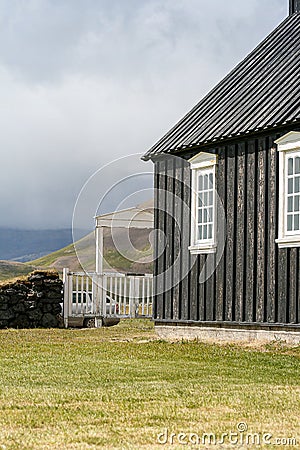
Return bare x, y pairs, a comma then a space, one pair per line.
131, 296
66, 272
136, 296
101, 287
95, 299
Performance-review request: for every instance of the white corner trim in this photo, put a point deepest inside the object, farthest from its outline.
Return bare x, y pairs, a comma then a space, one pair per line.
288, 242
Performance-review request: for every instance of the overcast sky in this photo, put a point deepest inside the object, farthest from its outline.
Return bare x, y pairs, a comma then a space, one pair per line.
83, 82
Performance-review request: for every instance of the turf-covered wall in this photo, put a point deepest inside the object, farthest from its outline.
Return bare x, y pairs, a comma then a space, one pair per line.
32, 302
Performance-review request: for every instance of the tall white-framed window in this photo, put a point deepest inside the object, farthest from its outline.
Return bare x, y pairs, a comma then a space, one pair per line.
203, 204
289, 190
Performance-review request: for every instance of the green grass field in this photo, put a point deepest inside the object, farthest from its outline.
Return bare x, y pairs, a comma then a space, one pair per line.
119, 388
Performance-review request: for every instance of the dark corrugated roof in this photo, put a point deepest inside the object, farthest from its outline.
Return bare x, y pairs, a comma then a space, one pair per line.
263, 91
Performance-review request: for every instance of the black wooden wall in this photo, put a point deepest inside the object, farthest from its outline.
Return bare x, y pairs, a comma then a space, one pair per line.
255, 282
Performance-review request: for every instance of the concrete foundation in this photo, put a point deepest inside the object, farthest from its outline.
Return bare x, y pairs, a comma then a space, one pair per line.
231, 335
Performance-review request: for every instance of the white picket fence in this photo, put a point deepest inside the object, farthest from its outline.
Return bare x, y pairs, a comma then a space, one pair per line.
106, 296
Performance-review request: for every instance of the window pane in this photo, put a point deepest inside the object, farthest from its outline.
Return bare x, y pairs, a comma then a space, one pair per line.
204, 231
297, 184
211, 198
205, 199
209, 234
290, 222
205, 181
199, 215
297, 203
200, 187
210, 214
290, 166
297, 165
200, 200
296, 222
200, 233
290, 186
205, 216
211, 181
290, 204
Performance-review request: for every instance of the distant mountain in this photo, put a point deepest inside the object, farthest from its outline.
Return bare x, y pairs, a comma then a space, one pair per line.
54, 248
26, 245
138, 260
85, 249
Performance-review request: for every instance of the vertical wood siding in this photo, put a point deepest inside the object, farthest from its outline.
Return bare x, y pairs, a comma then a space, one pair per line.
254, 282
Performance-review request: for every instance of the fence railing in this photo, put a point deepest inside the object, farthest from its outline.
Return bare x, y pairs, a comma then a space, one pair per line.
107, 295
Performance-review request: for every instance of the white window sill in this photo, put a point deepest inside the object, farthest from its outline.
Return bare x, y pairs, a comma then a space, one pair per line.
202, 249
288, 241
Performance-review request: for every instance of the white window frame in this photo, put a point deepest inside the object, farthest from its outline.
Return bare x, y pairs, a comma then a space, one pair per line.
288, 145
203, 163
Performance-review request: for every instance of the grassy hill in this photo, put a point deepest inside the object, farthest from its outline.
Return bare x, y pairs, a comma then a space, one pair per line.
85, 249
84, 253
67, 257
11, 269
135, 258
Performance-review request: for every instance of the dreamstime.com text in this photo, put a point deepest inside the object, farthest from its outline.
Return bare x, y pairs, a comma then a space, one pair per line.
240, 437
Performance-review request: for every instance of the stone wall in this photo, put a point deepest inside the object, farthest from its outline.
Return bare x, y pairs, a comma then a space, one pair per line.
32, 302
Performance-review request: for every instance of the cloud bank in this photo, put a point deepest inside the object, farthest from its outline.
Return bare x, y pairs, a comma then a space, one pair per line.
85, 82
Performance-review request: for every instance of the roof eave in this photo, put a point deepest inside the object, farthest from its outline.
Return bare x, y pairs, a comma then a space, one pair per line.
218, 141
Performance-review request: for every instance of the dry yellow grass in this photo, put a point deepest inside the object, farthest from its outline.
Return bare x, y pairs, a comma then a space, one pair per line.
22, 278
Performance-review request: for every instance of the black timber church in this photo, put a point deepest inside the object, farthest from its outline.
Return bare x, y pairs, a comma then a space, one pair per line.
233, 162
